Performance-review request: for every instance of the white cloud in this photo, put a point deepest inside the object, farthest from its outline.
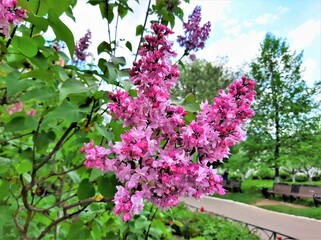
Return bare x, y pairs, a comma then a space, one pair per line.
230, 23
240, 49
310, 67
247, 24
266, 18
282, 9
303, 36
231, 27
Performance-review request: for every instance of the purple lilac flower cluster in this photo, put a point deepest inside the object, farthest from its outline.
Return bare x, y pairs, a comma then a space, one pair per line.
10, 14
161, 158
195, 35
81, 47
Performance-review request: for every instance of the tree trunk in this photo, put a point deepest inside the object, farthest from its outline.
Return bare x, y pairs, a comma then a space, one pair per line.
277, 178
293, 177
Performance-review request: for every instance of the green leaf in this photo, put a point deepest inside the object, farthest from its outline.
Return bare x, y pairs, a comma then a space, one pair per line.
117, 129
109, 136
86, 189
5, 70
104, 47
141, 223
40, 61
27, 177
43, 139
95, 173
60, 72
5, 163
27, 46
129, 46
97, 229
110, 12
119, 61
128, 85
73, 176
43, 93
77, 231
4, 189
178, 223
66, 111
58, 7
190, 98
14, 85
71, 86
122, 11
62, 31
39, 22
23, 167
107, 185
70, 14
21, 123
139, 30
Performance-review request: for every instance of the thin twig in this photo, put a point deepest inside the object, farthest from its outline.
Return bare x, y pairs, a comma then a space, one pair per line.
147, 233
36, 13
108, 25
66, 216
35, 140
11, 36
141, 36
57, 147
20, 136
116, 35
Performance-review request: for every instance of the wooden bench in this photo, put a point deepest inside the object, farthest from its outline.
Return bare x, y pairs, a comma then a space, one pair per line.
232, 185
306, 191
294, 192
281, 189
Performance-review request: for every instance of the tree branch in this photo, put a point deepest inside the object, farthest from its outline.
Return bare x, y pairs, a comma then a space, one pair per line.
57, 147
66, 216
141, 36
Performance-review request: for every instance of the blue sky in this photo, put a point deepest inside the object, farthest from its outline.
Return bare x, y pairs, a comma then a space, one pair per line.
238, 28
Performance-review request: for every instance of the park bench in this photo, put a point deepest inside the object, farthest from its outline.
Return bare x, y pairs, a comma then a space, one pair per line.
232, 185
306, 191
294, 192
281, 189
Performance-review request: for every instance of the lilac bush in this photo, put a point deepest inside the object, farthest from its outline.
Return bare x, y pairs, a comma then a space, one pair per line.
195, 35
161, 157
10, 14
81, 47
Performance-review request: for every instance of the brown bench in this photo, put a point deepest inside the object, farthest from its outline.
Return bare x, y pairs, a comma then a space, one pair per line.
281, 189
305, 191
294, 192
232, 185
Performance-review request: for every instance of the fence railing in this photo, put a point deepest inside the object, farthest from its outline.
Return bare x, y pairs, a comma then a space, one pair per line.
264, 233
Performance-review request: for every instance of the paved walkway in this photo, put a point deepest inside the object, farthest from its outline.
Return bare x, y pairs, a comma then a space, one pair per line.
297, 227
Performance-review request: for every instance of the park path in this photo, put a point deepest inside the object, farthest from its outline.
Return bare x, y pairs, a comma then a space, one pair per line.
296, 227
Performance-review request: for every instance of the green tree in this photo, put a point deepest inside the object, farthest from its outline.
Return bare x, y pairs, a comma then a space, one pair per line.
284, 103
203, 79
304, 156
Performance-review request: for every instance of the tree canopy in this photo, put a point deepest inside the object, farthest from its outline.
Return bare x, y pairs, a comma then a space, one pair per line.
285, 106
203, 79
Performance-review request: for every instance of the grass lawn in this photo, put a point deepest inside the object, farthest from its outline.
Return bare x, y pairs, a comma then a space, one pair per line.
251, 194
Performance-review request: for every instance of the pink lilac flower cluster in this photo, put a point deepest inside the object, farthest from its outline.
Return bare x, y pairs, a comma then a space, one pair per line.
161, 158
18, 107
195, 35
10, 14
81, 47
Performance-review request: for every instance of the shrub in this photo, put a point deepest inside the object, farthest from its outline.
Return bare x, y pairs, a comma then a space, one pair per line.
285, 176
301, 178
202, 225
264, 173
